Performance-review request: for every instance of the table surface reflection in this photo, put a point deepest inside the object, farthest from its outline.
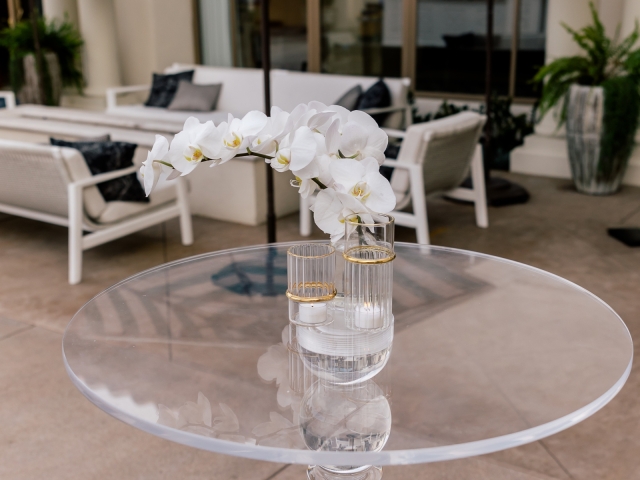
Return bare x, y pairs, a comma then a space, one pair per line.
487, 354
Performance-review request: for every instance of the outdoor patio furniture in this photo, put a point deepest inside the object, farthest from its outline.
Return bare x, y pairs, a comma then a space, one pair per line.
54, 185
435, 157
243, 90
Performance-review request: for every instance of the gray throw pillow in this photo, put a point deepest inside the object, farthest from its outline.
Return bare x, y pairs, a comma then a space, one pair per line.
350, 99
195, 98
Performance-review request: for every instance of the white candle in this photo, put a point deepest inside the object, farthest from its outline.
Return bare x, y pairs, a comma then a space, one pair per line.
313, 313
368, 316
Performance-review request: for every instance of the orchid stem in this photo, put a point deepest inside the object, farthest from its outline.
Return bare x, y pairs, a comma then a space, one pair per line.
319, 183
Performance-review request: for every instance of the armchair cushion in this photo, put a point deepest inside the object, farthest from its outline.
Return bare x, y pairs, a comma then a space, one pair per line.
102, 157
164, 88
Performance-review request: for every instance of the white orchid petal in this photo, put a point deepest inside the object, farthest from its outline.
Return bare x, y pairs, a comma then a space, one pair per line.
346, 172
364, 119
303, 148
332, 139
253, 122
353, 139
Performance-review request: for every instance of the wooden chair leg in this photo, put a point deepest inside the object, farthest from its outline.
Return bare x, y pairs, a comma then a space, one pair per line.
479, 189
186, 227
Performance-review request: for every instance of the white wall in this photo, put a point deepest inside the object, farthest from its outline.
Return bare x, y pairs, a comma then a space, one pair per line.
152, 35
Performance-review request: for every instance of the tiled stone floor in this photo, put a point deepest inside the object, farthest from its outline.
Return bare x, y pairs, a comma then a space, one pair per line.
50, 431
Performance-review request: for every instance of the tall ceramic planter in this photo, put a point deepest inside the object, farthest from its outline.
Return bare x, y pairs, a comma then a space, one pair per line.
596, 170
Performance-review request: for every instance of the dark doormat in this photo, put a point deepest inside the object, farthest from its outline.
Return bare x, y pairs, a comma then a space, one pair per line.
629, 236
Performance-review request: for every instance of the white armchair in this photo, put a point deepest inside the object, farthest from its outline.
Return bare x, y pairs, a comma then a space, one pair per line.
54, 185
435, 157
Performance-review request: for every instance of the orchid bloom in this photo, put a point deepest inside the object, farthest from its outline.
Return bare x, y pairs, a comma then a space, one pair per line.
267, 140
331, 208
152, 168
358, 138
363, 181
196, 142
239, 134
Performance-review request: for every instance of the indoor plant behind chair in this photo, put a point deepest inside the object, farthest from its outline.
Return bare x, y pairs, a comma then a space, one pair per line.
598, 96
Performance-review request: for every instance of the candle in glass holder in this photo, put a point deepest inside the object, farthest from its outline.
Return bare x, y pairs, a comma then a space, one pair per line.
368, 316
312, 312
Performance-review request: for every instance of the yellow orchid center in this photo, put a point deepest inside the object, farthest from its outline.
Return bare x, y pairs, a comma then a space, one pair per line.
194, 154
234, 142
360, 190
282, 160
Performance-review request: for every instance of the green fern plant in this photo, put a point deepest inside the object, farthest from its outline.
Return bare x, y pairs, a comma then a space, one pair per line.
61, 38
604, 59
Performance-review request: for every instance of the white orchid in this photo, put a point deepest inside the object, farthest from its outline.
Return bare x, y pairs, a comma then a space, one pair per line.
357, 138
267, 140
152, 168
326, 148
193, 144
362, 180
331, 208
238, 134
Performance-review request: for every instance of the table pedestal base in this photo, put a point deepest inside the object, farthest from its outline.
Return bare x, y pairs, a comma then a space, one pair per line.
317, 472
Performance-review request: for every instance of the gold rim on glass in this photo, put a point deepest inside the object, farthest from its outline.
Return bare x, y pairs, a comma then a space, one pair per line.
329, 253
321, 298
369, 261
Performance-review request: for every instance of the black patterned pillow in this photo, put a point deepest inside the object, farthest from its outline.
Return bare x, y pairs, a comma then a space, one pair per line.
164, 87
376, 96
102, 157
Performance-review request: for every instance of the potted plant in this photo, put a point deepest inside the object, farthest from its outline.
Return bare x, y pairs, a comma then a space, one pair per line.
55, 48
598, 98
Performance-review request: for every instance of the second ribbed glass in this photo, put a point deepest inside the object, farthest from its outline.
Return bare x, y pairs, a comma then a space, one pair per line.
368, 278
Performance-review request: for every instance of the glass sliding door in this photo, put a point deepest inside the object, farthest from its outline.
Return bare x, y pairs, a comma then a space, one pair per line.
451, 45
530, 46
288, 24
361, 37
216, 41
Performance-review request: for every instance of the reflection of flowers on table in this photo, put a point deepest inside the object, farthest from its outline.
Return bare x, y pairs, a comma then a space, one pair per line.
198, 418
279, 431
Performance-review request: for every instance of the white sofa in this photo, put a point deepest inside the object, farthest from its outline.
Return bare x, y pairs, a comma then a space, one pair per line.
54, 185
243, 91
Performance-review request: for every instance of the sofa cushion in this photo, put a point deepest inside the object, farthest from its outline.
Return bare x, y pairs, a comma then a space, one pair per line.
195, 98
164, 87
102, 157
350, 99
376, 96
154, 114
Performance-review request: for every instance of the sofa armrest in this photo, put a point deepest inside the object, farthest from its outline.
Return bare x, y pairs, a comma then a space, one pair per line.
9, 99
104, 177
373, 111
405, 109
113, 92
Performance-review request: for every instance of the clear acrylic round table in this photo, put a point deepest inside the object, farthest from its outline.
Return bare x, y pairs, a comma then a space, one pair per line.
487, 354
